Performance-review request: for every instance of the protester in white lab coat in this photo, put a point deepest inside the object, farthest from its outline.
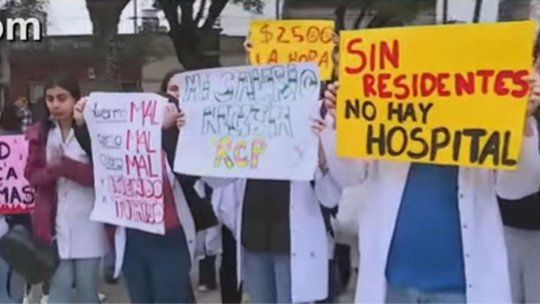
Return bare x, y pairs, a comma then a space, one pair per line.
282, 240
208, 247
62, 175
156, 267
453, 249
223, 199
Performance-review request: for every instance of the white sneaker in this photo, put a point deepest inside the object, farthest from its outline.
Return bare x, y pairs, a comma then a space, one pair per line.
44, 300
202, 288
26, 300
102, 297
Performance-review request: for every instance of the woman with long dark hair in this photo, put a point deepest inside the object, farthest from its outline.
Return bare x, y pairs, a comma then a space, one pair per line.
61, 172
156, 268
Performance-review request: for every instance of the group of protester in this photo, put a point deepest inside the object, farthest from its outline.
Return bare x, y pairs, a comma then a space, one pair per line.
427, 233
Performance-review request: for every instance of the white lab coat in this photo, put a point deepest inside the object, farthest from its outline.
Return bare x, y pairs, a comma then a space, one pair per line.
309, 243
484, 250
186, 220
77, 236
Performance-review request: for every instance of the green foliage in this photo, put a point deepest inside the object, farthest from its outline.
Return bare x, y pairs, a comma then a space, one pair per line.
254, 6
25, 8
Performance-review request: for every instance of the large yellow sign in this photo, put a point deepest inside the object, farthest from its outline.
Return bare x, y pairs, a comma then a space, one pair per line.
290, 41
435, 94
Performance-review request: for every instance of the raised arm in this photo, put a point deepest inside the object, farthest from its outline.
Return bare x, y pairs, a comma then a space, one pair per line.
346, 172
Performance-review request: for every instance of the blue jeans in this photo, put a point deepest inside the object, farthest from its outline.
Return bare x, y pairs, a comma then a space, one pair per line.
267, 277
156, 267
81, 273
408, 295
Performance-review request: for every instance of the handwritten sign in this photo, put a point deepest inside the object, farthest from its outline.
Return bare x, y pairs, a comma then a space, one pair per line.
452, 95
125, 130
289, 41
16, 195
249, 122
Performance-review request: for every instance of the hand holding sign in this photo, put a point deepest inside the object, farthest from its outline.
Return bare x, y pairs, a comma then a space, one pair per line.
78, 111
126, 130
412, 94
330, 99
171, 116
249, 122
534, 101
248, 45
534, 96
317, 126
181, 120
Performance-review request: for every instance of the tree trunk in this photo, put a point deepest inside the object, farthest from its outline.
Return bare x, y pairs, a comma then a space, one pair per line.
477, 11
215, 10
105, 16
196, 47
364, 10
445, 12
340, 13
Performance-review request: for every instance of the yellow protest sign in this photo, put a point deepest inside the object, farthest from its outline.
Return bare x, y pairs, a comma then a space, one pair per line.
453, 94
289, 41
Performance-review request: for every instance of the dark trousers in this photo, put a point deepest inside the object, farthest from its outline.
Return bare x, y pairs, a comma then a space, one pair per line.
156, 267
342, 257
230, 293
207, 272
339, 273
333, 284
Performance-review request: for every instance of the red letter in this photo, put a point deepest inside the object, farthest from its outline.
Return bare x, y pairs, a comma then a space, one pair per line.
415, 85
441, 86
500, 85
485, 74
383, 85
465, 85
391, 56
369, 84
398, 83
351, 50
134, 110
427, 88
520, 79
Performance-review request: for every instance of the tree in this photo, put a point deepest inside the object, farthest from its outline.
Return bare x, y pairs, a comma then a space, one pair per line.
377, 13
445, 12
191, 28
105, 17
25, 8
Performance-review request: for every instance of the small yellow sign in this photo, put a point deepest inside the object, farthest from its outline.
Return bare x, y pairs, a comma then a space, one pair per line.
290, 41
453, 94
